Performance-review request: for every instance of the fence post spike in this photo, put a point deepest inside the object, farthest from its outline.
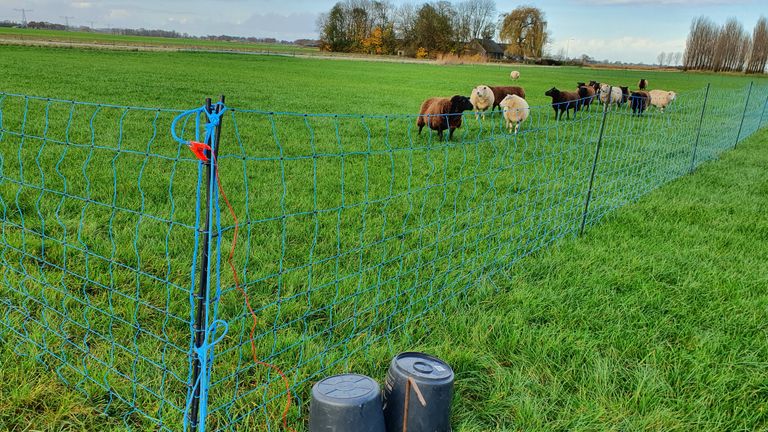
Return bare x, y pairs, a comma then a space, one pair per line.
698, 134
594, 162
746, 105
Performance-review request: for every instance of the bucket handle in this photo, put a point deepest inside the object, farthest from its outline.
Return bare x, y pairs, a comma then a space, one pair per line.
408, 384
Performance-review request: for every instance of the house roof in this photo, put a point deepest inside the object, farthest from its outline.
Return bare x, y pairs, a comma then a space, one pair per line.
490, 46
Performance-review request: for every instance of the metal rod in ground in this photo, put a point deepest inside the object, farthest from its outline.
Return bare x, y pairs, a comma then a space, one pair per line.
698, 134
746, 105
202, 310
594, 162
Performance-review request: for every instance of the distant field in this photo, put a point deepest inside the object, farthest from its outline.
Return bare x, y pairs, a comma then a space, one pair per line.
146, 41
354, 226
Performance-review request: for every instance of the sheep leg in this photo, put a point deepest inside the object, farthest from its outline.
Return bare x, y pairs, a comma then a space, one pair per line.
517, 127
421, 126
450, 133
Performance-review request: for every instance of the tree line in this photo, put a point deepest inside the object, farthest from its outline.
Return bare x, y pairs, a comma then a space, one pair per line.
425, 30
726, 48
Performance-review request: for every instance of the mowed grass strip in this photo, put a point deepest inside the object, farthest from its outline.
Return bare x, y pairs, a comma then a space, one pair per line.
655, 320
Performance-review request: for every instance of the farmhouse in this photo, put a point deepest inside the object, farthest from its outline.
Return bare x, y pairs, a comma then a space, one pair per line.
487, 48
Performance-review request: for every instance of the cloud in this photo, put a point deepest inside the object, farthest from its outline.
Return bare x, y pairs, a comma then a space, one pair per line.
81, 4
281, 26
627, 48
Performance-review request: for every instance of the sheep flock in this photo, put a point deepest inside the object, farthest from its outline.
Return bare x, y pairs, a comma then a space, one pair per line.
443, 113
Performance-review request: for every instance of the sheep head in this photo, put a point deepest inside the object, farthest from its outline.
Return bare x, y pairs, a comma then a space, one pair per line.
460, 104
553, 92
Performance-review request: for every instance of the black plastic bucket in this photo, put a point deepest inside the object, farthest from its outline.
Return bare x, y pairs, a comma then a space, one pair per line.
417, 394
346, 403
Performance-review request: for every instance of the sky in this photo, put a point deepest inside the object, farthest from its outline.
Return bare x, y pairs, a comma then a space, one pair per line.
625, 30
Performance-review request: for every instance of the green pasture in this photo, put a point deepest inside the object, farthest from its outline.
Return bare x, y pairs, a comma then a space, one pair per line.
360, 238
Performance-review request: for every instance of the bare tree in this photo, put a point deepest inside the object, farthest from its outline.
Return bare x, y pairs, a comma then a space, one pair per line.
758, 57
661, 57
700, 46
525, 29
728, 55
405, 19
670, 58
676, 58
475, 19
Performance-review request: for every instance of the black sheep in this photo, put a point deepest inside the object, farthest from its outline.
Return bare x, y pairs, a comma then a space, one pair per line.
639, 101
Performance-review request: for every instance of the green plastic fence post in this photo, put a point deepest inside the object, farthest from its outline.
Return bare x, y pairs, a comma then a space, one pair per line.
746, 105
594, 162
698, 134
762, 115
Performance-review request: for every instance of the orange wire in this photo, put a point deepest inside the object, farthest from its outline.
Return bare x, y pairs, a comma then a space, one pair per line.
231, 263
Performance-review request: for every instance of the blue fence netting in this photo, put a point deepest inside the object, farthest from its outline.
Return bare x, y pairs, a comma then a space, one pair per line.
342, 229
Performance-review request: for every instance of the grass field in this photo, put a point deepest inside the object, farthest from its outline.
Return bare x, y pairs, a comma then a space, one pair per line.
357, 226
100, 39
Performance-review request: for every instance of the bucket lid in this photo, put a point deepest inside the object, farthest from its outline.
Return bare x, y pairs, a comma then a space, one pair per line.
345, 389
423, 366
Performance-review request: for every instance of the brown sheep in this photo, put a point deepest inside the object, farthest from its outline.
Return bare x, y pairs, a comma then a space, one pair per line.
499, 93
443, 113
642, 84
586, 94
563, 101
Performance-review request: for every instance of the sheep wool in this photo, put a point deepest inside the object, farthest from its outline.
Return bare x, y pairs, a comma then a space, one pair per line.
499, 93
443, 113
612, 95
515, 75
661, 98
516, 111
482, 99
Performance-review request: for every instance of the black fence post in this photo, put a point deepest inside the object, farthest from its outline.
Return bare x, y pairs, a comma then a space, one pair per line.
746, 105
202, 309
698, 134
594, 162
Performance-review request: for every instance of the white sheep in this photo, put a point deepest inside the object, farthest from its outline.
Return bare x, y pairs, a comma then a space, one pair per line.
661, 98
482, 99
610, 94
516, 110
515, 75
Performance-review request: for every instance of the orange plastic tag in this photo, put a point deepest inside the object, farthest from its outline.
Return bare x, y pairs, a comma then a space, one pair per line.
199, 149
